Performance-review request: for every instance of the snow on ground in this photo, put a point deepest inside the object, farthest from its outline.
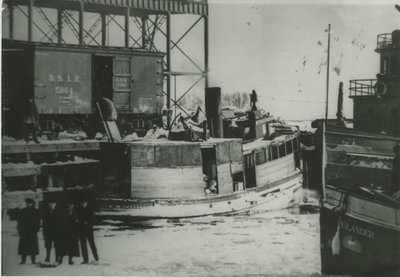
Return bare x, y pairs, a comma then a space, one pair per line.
275, 243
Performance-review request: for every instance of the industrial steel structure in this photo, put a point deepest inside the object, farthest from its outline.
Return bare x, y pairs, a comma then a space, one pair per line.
146, 25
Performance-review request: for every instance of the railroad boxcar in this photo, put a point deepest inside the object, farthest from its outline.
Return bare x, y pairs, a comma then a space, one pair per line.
65, 81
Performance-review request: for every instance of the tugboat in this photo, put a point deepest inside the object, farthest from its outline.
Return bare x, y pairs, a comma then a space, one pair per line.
360, 206
163, 178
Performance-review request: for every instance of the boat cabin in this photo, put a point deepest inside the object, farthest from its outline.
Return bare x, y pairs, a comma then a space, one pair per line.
267, 161
164, 169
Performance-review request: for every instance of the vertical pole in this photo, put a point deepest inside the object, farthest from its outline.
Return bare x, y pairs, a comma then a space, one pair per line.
175, 95
59, 25
327, 72
103, 29
81, 11
205, 18
144, 19
168, 47
127, 15
30, 20
11, 21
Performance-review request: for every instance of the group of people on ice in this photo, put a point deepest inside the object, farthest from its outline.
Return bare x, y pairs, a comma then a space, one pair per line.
64, 227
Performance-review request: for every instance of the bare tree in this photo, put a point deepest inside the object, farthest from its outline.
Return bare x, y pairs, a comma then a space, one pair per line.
238, 99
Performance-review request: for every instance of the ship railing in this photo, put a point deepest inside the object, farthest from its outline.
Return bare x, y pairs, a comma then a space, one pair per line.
385, 41
362, 87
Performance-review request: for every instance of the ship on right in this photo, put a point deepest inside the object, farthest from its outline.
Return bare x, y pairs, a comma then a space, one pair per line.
360, 174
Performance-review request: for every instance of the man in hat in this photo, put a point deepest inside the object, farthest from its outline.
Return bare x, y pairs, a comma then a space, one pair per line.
28, 226
31, 122
52, 232
70, 233
86, 222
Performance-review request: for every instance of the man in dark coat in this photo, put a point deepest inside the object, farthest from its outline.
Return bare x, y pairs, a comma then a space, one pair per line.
71, 238
86, 222
31, 122
28, 226
52, 232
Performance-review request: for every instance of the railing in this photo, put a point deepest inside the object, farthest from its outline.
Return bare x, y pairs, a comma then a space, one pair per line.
364, 87
385, 41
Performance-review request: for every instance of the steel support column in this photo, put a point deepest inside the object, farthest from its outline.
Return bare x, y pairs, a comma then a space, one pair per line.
81, 12
59, 25
205, 18
11, 20
127, 15
143, 27
30, 20
103, 29
168, 47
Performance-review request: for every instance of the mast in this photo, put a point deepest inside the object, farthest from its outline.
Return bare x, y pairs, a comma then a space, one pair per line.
327, 72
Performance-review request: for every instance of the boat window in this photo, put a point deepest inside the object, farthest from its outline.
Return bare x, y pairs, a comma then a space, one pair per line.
274, 150
261, 157
248, 159
282, 151
384, 66
269, 154
289, 147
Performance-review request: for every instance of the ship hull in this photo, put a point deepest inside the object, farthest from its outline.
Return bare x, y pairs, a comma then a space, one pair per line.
354, 240
280, 194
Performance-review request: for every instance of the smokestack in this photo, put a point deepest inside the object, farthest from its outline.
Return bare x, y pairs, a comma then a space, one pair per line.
213, 111
339, 113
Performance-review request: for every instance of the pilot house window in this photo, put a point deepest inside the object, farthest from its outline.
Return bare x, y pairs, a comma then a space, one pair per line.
261, 157
289, 147
274, 152
282, 151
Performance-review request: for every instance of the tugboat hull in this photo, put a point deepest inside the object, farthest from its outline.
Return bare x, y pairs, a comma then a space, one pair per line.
284, 193
354, 240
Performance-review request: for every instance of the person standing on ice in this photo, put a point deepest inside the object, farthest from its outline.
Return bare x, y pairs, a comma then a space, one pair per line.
51, 230
71, 242
28, 223
86, 222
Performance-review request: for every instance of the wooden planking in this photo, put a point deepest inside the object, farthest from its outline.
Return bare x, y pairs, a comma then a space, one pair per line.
142, 155
168, 156
225, 182
235, 149
274, 170
19, 170
349, 175
229, 151
49, 146
167, 182
165, 156
365, 209
222, 150
191, 155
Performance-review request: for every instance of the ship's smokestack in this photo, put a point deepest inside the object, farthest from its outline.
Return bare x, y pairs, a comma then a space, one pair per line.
213, 111
339, 113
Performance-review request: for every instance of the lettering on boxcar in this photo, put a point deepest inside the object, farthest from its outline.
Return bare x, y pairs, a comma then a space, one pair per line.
64, 91
68, 78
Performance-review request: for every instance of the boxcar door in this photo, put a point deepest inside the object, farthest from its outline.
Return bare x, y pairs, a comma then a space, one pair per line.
122, 83
147, 84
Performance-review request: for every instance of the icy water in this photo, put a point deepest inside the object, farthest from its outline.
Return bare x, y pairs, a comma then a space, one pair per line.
275, 243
